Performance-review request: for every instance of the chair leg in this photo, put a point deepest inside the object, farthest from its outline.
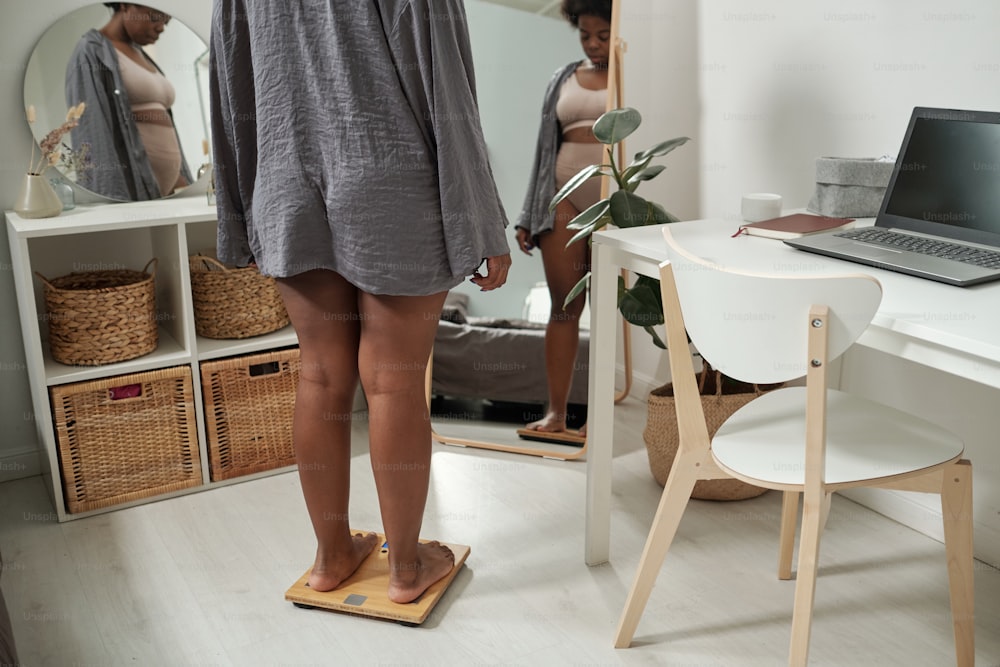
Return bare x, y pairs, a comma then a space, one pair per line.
956, 508
673, 501
786, 542
813, 520
825, 513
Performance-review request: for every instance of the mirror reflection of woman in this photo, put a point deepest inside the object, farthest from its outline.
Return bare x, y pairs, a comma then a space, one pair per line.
576, 97
133, 142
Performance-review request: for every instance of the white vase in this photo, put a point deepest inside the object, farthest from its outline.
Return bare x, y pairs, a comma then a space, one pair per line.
37, 199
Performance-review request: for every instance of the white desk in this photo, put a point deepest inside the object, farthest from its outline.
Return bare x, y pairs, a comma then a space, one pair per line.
951, 329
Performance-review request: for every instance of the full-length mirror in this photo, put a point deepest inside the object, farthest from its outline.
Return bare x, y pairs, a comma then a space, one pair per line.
143, 76
484, 349
511, 83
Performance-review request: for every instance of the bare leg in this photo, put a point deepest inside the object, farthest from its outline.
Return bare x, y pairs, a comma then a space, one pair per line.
323, 309
397, 334
564, 267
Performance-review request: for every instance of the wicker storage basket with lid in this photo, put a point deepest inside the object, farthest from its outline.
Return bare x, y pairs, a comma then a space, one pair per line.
249, 405
126, 437
101, 317
234, 302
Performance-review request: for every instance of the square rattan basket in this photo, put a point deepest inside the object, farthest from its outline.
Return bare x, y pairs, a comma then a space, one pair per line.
126, 437
249, 403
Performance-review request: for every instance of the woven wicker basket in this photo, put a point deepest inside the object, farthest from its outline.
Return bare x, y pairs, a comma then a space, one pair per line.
100, 317
662, 439
126, 437
234, 303
249, 404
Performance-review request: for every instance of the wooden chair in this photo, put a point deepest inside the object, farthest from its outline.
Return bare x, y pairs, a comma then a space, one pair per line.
805, 441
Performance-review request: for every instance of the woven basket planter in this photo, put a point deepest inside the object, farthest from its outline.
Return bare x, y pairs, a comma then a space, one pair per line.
249, 405
234, 303
662, 438
101, 317
126, 437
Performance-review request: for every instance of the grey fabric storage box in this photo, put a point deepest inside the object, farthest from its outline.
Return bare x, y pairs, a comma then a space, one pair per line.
850, 187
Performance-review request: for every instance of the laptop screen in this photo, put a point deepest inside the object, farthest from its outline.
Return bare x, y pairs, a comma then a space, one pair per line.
947, 178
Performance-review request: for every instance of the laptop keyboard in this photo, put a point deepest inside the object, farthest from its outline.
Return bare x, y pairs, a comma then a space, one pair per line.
924, 246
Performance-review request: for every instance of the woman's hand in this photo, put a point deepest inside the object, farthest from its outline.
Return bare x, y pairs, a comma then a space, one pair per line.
496, 273
524, 240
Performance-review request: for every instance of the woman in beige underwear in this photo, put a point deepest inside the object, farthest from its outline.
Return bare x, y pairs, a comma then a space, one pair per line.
577, 96
150, 93
130, 131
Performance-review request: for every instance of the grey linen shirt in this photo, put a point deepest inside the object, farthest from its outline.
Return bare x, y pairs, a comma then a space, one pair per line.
346, 136
120, 168
535, 215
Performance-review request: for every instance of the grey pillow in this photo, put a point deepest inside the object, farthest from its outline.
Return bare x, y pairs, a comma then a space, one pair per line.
456, 308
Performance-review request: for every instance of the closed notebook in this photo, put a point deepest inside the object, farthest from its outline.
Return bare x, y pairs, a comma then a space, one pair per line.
794, 225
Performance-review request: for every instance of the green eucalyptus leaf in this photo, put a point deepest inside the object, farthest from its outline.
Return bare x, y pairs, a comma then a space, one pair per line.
633, 169
577, 289
616, 124
582, 234
645, 174
657, 341
661, 215
662, 148
575, 182
653, 285
629, 209
641, 304
590, 215
603, 222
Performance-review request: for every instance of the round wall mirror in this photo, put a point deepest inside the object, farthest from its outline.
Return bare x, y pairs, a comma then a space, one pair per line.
71, 60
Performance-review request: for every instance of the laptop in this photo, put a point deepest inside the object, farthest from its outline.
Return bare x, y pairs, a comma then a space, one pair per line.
940, 216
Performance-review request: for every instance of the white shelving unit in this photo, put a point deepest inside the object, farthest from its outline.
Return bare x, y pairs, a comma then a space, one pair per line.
114, 236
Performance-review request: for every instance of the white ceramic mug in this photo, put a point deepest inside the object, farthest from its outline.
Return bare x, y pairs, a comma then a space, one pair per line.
759, 206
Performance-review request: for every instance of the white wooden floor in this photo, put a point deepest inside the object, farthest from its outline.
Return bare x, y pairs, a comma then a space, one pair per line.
199, 580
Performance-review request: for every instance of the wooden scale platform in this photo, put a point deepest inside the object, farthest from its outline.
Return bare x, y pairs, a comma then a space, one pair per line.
365, 592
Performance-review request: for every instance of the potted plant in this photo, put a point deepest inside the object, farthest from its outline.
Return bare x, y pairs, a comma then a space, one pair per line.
642, 305
639, 304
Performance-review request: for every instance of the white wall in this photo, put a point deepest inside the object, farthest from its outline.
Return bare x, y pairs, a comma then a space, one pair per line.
661, 71
785, 81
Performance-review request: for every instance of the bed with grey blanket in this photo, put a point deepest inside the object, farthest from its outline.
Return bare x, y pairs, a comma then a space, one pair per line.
497, 359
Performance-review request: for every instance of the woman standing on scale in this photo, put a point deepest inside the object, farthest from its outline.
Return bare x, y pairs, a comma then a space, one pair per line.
342, 132
575, 98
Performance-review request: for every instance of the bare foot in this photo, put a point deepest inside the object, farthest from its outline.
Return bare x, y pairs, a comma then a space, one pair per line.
552, 422
583, 431
434, 561
331, 571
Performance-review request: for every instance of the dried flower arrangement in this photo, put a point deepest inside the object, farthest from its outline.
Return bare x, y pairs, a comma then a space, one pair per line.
54, 150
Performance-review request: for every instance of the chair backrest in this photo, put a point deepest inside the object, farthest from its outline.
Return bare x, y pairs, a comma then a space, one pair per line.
753, 327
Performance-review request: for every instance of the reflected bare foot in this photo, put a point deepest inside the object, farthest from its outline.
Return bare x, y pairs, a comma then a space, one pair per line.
583, 431
552, 422
334, 569
409, 581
